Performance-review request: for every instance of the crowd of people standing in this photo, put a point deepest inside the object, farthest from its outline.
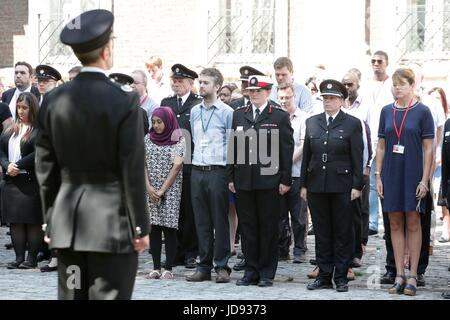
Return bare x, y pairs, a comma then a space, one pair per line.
258, 159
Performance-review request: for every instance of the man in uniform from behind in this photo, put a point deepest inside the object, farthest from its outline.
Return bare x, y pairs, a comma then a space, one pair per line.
182, 81
90, 165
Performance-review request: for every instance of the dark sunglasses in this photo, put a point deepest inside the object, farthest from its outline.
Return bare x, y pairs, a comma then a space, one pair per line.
379, 61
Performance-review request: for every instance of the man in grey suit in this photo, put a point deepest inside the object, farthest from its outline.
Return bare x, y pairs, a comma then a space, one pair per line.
90, 168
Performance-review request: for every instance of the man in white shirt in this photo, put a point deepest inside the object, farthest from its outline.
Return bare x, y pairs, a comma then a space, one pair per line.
159, 85
379, 93
291, 203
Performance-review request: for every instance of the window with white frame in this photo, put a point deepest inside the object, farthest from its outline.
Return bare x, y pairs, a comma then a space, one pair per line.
243, 29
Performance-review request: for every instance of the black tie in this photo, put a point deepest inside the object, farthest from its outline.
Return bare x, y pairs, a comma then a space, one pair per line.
330, 121
180, 104
257, 112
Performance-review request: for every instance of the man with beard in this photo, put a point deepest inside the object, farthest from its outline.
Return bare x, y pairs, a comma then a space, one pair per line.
22, 78
210, 124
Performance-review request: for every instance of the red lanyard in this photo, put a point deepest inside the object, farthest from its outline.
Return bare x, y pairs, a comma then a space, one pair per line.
399, 132
143, 100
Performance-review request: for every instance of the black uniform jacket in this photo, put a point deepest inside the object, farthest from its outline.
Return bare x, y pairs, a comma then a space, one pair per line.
251, 167
333, 157
184, 119
90, 166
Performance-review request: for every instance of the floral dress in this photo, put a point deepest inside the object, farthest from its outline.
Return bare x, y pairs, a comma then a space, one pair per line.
159, 160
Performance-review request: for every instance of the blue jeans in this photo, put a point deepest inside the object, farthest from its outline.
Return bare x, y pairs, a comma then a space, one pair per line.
373, 201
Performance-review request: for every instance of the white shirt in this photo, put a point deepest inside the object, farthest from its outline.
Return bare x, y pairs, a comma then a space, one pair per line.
14, 154
93, 69
379, 95
298, 123
261, 109
183, 98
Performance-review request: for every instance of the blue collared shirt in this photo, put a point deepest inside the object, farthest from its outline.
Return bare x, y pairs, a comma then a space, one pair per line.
302, 97
210, 130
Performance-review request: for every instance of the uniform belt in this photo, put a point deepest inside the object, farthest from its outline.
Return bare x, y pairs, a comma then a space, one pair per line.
208, 168
93, 177
325, 157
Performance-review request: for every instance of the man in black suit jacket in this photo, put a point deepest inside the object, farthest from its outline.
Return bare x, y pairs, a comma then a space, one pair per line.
332, 177
259, 177
22, 78
90, 168
181, 103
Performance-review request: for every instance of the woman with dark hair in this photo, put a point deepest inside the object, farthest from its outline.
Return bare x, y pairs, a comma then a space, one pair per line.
20, 196
165, 148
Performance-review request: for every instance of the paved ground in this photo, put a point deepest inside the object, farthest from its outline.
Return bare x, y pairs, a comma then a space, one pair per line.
290, 282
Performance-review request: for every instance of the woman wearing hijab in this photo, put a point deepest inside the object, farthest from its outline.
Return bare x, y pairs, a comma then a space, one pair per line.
21, 206
165, 148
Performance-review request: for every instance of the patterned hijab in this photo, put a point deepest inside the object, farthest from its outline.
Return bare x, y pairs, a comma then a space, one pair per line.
172, 132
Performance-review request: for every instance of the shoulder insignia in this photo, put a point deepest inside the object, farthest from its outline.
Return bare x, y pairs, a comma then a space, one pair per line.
126, 88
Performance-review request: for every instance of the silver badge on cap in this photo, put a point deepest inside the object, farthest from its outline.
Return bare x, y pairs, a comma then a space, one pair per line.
126, 88
253, 81
177, 70
329, 86
41, 71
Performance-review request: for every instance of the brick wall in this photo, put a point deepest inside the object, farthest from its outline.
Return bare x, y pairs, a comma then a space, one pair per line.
13, 18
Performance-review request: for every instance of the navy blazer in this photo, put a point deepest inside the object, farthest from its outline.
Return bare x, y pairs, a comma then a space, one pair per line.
8, 94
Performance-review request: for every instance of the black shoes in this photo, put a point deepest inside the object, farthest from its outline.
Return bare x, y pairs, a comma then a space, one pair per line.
191, 263
199, 276
28, 265
372, 232
8, 246
14, 265
388, 277
446, 294
239, 266
341, 287
244, 281
320, 284
265, 283
47, 268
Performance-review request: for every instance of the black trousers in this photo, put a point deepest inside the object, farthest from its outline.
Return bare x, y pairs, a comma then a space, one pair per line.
210, 204
187, 235
365, 212
295, 207
425, 221
332, 216
258, 221
357, 228
96, 276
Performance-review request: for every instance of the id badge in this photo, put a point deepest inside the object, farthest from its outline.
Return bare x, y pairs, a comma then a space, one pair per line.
399, 149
